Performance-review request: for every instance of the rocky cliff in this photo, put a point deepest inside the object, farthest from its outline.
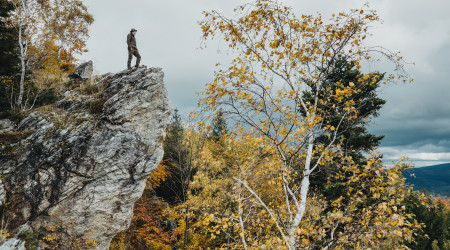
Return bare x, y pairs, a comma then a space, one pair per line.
73, 170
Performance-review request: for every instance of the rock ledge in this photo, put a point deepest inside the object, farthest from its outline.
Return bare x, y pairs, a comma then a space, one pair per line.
85, 160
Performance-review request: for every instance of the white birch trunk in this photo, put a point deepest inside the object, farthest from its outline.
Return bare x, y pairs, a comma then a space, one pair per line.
241, 221
23, 54
23, 45
301, 208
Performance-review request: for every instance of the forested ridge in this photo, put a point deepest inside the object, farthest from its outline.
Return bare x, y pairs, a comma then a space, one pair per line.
434, 179
277, 155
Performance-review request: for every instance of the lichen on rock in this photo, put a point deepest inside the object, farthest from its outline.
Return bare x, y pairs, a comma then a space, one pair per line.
82, 171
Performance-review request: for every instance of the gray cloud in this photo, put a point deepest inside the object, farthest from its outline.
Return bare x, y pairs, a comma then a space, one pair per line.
416, 117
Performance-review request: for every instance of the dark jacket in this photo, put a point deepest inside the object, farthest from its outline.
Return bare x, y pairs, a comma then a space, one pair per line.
131, 41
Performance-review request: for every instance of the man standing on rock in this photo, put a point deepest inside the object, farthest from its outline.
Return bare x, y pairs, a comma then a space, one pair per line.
132, 49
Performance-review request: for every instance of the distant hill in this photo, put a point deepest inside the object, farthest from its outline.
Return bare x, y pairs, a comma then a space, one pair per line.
435, 179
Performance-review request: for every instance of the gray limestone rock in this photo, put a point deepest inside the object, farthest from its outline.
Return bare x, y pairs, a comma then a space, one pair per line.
80, 171
6, 125
13, 244
24, 228
84, 71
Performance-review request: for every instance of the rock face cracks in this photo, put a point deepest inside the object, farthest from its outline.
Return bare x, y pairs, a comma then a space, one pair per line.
83, 162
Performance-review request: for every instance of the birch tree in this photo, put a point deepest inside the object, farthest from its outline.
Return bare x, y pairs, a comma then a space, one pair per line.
24, 19
279, 58
68, 25
46, 25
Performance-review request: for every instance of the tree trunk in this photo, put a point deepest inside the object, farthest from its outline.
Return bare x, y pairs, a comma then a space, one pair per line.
186, 229
303, 194
241, 221
23, 54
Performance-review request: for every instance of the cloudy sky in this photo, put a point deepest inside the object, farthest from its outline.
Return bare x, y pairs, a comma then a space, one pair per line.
415, 120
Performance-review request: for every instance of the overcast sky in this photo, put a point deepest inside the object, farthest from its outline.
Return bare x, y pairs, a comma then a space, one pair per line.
415, 120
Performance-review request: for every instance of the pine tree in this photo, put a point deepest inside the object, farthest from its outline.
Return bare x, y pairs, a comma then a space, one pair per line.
352, 135
9, 59
219, 127
356, 139
436, 219
8, 41
175, 188
174, 138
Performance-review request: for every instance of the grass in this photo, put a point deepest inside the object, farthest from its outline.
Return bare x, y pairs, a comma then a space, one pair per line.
14, 116
14, 137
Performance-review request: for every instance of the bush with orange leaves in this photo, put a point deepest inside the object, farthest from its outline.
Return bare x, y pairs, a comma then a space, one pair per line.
150, 227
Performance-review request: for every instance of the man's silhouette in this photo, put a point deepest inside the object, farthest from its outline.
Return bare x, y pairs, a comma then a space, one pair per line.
132, 49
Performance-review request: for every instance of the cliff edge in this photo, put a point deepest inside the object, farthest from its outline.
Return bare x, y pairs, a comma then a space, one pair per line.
76, 168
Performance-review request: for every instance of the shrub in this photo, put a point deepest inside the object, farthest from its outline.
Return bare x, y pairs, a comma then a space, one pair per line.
90, 89
30, 239
46, 97
96, 106
14, 116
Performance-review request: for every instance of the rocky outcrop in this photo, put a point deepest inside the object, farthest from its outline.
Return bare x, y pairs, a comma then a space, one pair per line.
84, 161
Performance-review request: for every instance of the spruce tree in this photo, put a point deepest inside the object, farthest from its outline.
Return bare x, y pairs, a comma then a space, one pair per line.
435, 217
9, 59
219, 127
8, 41
174, 189
353, 135
356, 139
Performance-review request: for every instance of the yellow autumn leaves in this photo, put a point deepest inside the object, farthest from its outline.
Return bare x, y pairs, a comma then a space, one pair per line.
273, 93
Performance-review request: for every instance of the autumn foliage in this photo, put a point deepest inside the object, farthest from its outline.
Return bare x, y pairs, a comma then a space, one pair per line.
149, 229
280, 116
275, 93
49, 34
278, 155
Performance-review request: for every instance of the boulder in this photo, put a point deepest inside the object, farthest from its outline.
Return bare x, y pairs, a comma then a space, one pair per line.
83, 72
6, 125
78, 173
13, 244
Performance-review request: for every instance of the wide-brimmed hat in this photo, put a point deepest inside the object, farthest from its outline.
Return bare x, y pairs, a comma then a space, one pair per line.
133, 29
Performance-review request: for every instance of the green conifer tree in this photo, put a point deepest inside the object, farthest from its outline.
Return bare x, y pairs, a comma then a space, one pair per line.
355, 138
176, 158
219, 127
9, 59
436, 220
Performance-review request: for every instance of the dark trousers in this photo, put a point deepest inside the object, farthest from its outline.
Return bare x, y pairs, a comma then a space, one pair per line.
131, 53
